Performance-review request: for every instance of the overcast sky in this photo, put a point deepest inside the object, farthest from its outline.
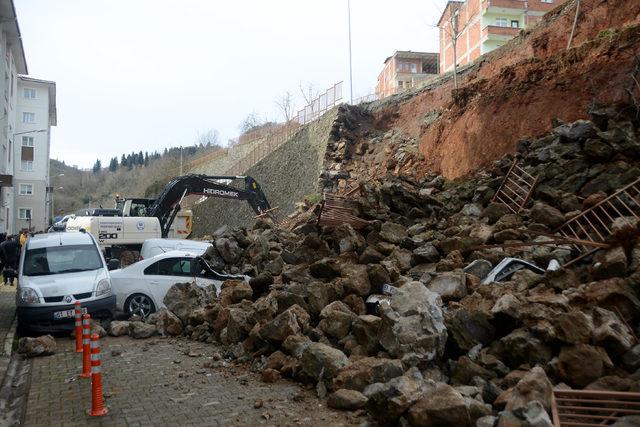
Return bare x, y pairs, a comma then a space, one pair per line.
149, 74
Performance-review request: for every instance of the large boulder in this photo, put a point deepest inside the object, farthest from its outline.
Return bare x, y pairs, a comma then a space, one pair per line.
610, 332
533, 415
141, 330
413, 325
521, 346
234, 291
365, 329
388, 401
118, 328
442, 406
228, 250
469, 328
450, 285
183, 298
239, 325
322, 362
547, 215
289, 322
581, 364
393, 233
355, 279
349, 400
366, 371
166, 322
336, 319
41, 346
533, 386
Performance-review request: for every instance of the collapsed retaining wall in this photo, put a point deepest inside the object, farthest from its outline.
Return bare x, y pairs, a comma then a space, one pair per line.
286, 175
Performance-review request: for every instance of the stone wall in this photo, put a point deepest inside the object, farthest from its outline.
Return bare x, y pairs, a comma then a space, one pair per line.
287, 175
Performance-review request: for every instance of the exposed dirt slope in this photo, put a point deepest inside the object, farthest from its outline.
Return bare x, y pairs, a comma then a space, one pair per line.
518, 89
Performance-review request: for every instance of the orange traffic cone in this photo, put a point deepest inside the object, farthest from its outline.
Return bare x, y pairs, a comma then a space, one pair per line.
86, 359
78, 316
98, 408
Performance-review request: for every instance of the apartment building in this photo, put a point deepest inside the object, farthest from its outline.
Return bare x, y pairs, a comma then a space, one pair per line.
12, 62
484, 25
36, 113
404, 69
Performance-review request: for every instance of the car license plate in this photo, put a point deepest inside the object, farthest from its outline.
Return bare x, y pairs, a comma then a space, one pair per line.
65, 314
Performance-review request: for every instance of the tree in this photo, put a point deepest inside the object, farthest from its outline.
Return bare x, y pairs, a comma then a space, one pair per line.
140, 158
123, 161
146, 159
208, 139
454, 31
309, 94
285, 104
97, 166
113, 164
251, 122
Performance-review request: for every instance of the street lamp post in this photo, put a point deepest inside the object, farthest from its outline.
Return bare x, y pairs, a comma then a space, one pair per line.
350, 64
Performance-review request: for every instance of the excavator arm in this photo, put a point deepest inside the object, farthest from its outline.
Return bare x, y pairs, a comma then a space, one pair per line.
167, 205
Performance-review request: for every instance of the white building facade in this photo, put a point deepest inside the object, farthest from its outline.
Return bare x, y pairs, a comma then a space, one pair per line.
35, 114
12, 62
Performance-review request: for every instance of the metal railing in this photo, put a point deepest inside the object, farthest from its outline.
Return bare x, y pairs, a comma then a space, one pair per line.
516, 188
320, 105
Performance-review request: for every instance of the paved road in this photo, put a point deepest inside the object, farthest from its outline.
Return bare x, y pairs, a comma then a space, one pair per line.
168, 382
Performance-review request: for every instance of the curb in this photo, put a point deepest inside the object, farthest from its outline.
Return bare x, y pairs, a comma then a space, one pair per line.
8, 341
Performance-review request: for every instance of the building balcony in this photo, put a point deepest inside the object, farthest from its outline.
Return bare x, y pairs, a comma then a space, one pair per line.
493, 32
502, 5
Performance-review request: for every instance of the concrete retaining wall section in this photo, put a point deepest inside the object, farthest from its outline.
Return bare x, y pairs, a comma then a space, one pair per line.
287, 175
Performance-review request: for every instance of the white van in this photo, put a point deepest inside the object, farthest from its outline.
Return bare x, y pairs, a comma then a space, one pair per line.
153, 247
56, 270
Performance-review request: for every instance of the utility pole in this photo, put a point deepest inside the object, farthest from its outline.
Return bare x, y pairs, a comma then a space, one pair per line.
350, 64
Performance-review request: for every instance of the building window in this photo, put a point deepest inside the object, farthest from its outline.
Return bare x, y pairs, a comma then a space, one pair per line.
502, 22
547, 1
414, 68
26, 189
515, 24
29, 93
27, 141
24, 213
28, 117
27, 165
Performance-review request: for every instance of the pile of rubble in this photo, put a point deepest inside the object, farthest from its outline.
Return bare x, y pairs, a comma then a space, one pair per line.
398, 318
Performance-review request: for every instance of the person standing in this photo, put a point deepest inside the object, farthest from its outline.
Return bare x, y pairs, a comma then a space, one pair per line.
10, 249
24, 235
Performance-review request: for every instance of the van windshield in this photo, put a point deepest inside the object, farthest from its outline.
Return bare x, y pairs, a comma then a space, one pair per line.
61, 259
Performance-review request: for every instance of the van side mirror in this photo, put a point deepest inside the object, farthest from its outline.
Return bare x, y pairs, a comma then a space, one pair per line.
113, 264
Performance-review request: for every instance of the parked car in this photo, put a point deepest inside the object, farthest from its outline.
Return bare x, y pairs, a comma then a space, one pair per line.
56, 270
153, 247
141, 287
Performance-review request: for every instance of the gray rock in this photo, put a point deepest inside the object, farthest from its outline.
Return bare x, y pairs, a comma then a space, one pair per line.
547, 215
610, 332
479, 268
442, 406
450, 286
320, 361
336, 319
41, 346
628, 421
487, 421
287, 323
426, 253
412, 323
366, 371
118, 328
365, 329
141, 330
533, 415
349, 400
469, 328
228, 250
631, 359
183, 298
471, 209
533, 386
388, 401
166, 322
393, 233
